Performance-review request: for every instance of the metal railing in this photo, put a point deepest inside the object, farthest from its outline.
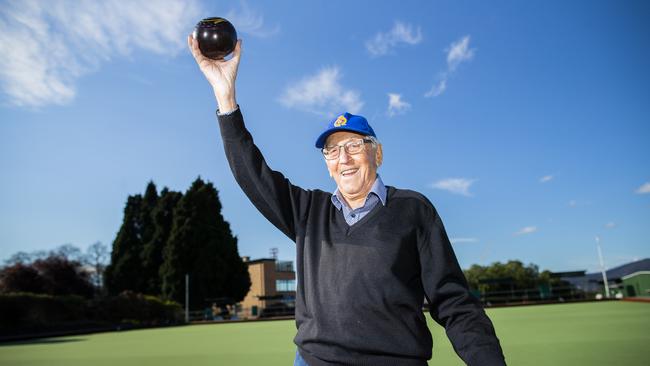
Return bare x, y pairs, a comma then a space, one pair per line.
534, 295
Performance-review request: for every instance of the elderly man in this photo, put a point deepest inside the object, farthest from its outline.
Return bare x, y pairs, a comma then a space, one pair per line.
367, 255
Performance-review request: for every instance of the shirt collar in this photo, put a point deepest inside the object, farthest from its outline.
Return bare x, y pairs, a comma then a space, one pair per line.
378, 188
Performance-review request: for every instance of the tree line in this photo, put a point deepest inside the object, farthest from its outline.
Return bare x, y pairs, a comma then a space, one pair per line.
163, 237
512, 275
63, 271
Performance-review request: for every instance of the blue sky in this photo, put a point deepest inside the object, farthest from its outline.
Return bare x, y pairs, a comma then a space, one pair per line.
525, 123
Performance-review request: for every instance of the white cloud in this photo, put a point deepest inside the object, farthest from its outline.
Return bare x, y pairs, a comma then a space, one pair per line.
46, 46
437, 89
401, 33
322, 94
455, 185
396, 105
463, 240
457, 53
643, 189
546, 178
610, 225
248, 21
526, 230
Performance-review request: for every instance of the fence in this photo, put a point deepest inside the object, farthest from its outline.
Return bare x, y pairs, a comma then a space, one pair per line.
238, 312
493, 298
534, 295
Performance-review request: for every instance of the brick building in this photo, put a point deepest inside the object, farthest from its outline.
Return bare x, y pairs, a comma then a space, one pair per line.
273, 288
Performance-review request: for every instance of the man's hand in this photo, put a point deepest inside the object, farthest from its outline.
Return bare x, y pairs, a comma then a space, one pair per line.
220, 73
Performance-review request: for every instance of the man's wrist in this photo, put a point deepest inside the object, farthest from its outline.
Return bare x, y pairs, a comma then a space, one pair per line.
222, 114
225, 108
226, 103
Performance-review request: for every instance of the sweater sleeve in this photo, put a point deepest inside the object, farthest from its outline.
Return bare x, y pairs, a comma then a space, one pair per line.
281, 202
452, 305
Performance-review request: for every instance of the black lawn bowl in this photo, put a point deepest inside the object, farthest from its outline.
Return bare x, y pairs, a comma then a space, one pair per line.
217, 37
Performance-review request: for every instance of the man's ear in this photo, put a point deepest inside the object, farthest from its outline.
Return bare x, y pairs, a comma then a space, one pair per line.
379, 155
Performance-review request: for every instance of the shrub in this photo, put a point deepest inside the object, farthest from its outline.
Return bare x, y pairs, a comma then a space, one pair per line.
34, 313
131, 306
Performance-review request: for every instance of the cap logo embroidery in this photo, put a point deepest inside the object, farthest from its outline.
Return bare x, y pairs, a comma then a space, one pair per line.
341, 121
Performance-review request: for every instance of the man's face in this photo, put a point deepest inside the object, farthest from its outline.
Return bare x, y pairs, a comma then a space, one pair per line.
354, 174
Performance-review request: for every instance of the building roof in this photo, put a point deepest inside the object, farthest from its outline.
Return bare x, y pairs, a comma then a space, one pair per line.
617, 273
614, 274
260, 260
640, 273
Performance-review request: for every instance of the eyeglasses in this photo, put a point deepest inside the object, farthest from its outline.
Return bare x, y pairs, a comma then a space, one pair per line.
351, 147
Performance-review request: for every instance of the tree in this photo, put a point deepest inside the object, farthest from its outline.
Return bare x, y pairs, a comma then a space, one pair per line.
499, 276
96, 257
202, 245
18, 258
21, 277
474, 275
26, 258
123, 273
148, 247
63, 276
68, 251
53, 275
152, 251
137, 249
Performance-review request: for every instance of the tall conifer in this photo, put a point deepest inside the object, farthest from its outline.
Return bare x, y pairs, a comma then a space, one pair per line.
123, 273
152, 254
202, 245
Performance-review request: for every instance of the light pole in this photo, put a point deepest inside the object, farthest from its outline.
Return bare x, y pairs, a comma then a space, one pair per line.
187, 298
602, 266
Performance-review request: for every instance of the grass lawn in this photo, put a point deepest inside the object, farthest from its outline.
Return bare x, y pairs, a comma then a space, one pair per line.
609, 333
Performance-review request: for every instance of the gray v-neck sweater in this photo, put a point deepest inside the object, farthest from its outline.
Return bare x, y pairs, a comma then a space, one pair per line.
361, 288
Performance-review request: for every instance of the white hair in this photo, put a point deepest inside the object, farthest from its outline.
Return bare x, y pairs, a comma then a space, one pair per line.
374, 140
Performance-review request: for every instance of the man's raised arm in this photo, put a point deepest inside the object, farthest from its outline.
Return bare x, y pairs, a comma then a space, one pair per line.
281, 202
221, 74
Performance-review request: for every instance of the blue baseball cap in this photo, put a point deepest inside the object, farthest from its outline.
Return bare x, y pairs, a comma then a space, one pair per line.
345, 122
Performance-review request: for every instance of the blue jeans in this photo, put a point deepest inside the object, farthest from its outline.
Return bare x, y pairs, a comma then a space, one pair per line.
299, 360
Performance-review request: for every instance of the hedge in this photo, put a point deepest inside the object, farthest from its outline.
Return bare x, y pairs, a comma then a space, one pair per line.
26, 313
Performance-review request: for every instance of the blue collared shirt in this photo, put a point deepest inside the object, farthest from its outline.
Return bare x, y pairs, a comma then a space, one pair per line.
377, 194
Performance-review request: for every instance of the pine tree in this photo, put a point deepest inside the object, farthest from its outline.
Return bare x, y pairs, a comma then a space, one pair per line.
202, 245
152, 254
148, 251
149, 203
123, 273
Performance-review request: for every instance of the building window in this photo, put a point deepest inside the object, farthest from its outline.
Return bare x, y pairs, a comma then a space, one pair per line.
285, 285
284, 266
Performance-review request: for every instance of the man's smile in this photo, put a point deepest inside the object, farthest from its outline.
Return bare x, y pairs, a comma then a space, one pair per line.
349, 172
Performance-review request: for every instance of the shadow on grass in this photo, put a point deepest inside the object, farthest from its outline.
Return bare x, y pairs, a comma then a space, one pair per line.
43, 341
